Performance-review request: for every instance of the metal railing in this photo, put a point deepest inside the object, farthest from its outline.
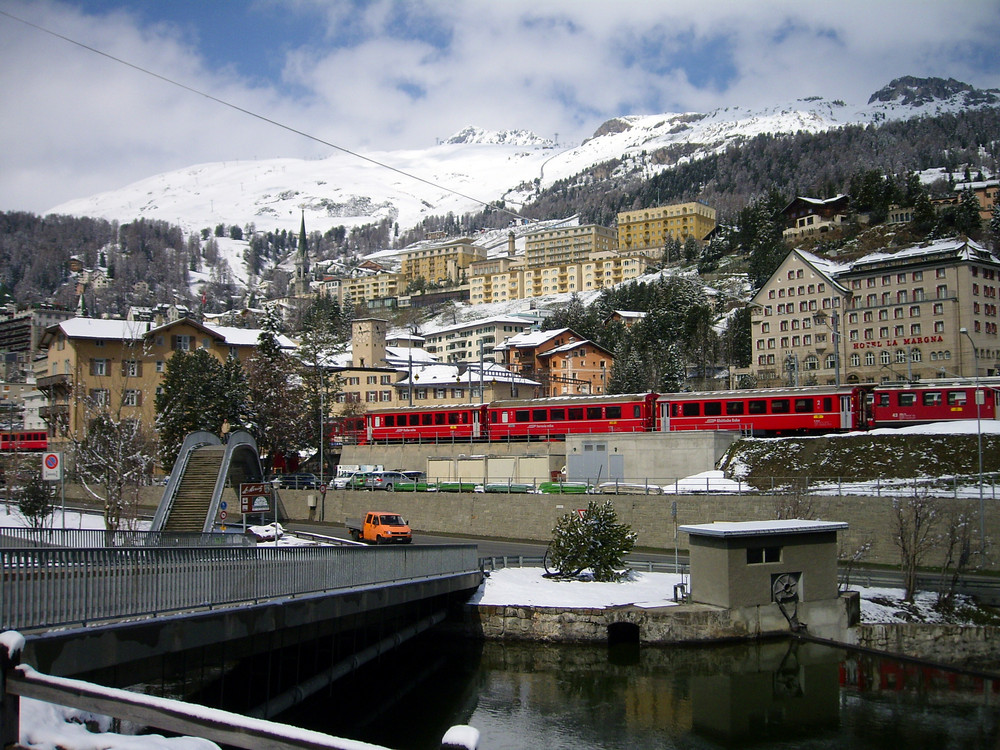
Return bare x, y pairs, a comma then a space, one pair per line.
47, 587
14, 537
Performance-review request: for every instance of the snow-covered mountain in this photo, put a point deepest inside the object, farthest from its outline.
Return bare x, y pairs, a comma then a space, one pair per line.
475, 166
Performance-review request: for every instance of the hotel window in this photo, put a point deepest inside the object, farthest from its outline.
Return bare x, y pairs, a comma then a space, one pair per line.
869, 359
915, 329
99, 367
132, 397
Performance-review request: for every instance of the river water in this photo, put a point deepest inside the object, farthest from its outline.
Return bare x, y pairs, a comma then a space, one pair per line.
777, 694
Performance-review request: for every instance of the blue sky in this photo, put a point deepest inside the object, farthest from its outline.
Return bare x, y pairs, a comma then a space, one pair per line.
384, 75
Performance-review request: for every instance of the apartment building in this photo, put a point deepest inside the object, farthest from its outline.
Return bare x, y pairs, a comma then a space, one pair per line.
607, 269
462, 342
986, 192
561, 360
495, 280
364, 288
562, 246
440, 262
94, 365
927, 311
649, 228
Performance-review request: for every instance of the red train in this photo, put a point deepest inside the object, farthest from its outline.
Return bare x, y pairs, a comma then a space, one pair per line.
766, 412
23, 441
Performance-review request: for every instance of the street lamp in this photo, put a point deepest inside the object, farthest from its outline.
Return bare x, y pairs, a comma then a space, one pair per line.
979, 439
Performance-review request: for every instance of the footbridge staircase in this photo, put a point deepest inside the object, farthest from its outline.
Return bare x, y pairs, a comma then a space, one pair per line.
205, 468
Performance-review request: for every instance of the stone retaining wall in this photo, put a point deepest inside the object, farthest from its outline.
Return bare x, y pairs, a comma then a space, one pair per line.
968, 646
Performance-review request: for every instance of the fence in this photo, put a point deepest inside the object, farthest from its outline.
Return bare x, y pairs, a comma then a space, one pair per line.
48, 587
957, 486
20, 538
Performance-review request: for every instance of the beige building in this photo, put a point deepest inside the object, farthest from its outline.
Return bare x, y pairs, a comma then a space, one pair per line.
462, 342
649, 228
607, 269
884, 317
93, 366
440, 262
363, 288
564, 246
561, 360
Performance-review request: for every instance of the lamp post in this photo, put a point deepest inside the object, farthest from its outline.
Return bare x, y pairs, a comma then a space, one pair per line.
979, 441
322, 437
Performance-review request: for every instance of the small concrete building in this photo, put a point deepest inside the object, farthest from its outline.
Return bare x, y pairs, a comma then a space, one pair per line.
778, 574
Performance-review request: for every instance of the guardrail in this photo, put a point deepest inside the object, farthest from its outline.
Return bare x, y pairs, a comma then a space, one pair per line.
227, 728
15, 537
48, 587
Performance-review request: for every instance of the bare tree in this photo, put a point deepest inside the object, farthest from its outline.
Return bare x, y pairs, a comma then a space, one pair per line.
957, 544
795, 505
116, 455
915, 528
856, 557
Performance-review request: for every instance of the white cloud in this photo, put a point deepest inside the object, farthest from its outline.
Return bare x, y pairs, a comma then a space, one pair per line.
399, 75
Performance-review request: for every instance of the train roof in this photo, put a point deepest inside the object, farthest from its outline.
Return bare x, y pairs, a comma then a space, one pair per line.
569, 400
805, 390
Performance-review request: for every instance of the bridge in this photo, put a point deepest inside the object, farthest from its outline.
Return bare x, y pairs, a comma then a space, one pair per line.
119, 616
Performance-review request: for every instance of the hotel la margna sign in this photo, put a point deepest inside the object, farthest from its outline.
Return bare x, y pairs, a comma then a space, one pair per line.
891, 343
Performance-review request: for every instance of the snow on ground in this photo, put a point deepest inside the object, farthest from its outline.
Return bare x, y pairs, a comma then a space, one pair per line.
528, 587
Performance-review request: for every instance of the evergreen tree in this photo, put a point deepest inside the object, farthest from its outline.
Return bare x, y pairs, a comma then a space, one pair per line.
673, 375
592, 540
924, 217
198, 393
35, 501
967, 220
995, 227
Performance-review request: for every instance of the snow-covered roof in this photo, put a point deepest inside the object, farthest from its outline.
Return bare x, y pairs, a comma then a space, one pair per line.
246, 336
481, 322
633, 314
452, 374
98, 328
529, 339
762, 528
571, 346
978, 185
963, 249
401, 356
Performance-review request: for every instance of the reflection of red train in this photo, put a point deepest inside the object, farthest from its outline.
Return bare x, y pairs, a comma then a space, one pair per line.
865, 673
23, 441
775, 411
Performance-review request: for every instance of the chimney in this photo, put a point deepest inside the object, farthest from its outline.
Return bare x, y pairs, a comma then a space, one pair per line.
510, 244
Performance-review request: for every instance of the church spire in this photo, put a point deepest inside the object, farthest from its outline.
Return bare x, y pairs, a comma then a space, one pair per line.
302, 261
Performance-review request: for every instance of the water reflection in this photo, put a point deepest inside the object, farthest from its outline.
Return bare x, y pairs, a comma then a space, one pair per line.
767, 695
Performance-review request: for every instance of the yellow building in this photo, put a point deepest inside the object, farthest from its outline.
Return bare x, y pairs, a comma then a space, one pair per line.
94, 366
364, 288
607, 269
650, 227
440, 262
563, 246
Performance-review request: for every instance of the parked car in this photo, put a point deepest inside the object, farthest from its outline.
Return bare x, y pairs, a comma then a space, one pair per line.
385, 480
415, 476
355, 481
295, 481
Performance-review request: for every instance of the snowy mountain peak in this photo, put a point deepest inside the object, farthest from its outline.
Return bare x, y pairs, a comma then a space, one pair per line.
471, 134
910, 91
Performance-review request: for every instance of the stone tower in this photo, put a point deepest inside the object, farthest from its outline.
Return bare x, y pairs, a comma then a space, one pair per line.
368, 342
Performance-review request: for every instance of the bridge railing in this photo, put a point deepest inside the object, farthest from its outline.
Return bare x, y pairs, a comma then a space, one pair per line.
48, 587
17, 537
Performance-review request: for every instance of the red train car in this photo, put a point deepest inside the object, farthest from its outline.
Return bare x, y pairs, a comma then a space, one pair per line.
768, 411
554, 418
21, 440
426, 423
899, 406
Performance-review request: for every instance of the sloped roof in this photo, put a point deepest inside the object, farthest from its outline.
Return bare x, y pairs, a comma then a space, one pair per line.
528, 339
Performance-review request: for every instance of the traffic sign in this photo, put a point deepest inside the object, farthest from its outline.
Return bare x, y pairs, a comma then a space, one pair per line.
322, 489
52, 466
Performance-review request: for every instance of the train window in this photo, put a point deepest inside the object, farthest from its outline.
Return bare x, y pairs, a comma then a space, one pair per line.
827, 404
538, 415
757, 406
522, 415
780, 406
464, 417
636, 411
907, 399
883, 399
493, 416
575, 414
414, 420
593, 412
425, 418
691, 409
453, 417
713, 408
957, 398
390, 420
803, 405
932, 398
613, 412
734, 407
439, 417
557, 415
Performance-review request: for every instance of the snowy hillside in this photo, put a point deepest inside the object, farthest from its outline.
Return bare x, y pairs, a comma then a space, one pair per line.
475, 166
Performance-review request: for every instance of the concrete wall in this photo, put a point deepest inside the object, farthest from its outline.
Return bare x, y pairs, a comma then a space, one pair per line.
411, 456
660, 457
962, 645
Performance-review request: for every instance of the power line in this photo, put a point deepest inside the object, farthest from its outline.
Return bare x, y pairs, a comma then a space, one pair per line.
256, 115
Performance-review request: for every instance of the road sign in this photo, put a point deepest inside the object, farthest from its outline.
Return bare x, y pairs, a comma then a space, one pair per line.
52, 466
255, 497
322, 489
